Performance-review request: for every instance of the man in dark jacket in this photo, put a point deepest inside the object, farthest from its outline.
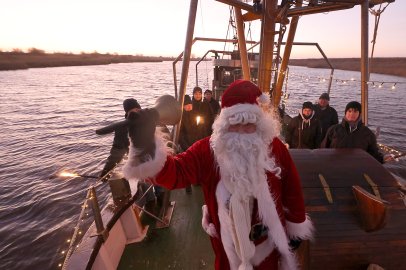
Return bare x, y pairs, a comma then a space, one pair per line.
326, 114
120, 148
189, 129
304, 130
214, 104
121, 141
352, 133
188, 134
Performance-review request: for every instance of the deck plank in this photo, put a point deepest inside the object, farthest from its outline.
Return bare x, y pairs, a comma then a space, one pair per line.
183, 245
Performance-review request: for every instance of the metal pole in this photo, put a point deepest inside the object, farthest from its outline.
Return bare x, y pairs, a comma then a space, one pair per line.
330, 81
174, 79
242, 46
97, 215
364, 60
186, 59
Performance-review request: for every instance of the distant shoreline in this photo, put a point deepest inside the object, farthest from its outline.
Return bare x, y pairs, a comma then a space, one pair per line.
38, 59
389, 66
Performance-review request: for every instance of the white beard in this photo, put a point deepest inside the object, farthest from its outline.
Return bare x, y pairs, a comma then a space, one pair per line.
243, 160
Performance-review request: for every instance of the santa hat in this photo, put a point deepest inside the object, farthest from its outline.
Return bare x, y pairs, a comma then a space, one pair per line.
242, 92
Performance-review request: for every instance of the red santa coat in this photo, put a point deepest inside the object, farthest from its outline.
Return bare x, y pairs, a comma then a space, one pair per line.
198, 166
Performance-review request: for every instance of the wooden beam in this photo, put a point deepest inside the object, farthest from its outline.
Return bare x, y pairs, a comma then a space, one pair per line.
242, 46
270, 10
307, 10
364, 61
238, 4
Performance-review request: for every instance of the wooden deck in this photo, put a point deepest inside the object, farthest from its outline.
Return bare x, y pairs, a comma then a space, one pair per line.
183, 245
341, 240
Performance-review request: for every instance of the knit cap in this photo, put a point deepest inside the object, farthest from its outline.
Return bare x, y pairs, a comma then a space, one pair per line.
307, 105
353, 105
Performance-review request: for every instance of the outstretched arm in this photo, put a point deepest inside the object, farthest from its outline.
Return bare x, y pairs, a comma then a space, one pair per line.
150, 158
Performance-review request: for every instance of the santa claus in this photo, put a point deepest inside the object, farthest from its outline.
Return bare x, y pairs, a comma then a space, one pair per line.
254, 210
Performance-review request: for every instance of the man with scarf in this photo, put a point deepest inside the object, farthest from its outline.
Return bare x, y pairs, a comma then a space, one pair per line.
352, 133
254, 211
304, 130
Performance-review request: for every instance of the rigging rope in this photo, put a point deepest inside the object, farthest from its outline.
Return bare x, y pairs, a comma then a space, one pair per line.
232, 25
377, 14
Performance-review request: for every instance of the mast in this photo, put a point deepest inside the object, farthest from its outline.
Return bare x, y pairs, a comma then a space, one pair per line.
267, 44
186, 59
242, 46
364, 60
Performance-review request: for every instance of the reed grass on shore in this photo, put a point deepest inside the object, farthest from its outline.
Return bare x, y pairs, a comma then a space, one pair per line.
389, 66
39, 59
21, 60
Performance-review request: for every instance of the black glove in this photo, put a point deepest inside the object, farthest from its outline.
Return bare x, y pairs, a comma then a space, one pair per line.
295, 243
141, 129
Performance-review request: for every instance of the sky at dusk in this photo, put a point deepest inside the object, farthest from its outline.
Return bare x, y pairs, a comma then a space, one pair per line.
158, 27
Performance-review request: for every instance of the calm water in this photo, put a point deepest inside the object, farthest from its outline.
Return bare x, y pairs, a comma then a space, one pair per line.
48, 118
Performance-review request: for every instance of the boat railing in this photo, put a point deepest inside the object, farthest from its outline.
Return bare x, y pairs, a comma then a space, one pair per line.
92, 197
231, 63
182, 53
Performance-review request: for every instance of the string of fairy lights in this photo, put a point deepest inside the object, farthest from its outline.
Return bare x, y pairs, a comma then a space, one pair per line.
72, 242
373, 84
390, 150
389, 85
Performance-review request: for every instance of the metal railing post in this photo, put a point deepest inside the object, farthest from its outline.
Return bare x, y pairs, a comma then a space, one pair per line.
97, 214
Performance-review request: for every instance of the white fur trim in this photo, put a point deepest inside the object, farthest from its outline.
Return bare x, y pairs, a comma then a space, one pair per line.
270, 217
245, 266
133, 170
302, 230
208, 227
264, 99
239, 108
289, 261
262, 251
